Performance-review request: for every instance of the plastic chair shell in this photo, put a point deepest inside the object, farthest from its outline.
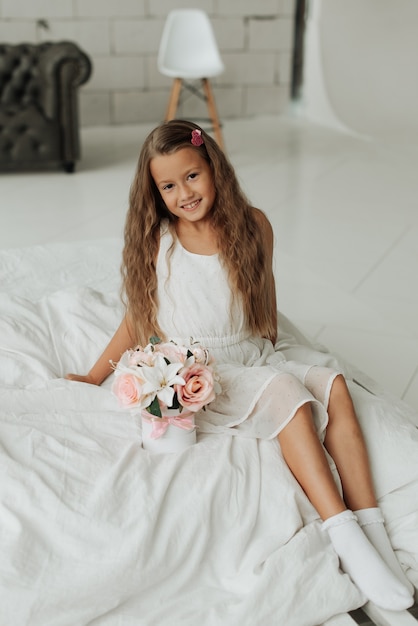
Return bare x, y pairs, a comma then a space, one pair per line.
188, 47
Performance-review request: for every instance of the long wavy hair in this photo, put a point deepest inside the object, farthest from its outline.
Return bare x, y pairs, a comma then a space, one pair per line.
239, 236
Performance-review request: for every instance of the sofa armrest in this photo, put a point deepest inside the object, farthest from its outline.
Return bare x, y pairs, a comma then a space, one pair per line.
62, 67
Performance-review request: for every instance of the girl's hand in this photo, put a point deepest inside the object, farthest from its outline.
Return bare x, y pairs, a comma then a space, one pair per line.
120, 342
82, 379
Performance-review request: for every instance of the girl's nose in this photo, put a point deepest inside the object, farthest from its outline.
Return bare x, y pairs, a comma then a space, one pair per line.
185, 192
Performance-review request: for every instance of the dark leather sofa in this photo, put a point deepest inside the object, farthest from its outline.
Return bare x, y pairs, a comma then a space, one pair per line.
39, 105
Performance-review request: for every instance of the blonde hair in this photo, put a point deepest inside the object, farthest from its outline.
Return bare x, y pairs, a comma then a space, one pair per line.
239, 236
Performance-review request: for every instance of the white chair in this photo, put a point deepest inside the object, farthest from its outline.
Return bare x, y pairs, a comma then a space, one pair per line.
188, 51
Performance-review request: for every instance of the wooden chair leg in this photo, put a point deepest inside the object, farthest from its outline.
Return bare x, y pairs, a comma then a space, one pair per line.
213, 114
174, 100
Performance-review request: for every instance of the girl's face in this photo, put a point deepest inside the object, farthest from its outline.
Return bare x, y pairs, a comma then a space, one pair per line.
185, 182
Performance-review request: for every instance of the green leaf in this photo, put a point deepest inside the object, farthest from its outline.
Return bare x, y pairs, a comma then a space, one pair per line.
154, 408
176, 403
154, 340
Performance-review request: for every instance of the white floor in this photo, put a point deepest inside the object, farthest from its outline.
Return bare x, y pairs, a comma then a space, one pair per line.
344, 211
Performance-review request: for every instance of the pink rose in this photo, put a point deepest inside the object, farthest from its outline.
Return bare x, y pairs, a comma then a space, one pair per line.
172, 352
198, 389
128, 389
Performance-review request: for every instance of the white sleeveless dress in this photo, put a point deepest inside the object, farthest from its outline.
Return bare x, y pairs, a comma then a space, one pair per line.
261, 391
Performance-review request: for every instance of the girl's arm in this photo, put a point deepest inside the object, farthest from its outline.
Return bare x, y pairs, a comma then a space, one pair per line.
121, 341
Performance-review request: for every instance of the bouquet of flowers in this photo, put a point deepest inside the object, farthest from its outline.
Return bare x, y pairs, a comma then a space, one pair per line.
165, 375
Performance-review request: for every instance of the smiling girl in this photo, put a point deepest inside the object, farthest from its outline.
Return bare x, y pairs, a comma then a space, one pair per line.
197, 262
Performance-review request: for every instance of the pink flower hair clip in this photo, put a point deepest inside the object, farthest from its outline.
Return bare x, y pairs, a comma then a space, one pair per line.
197, 139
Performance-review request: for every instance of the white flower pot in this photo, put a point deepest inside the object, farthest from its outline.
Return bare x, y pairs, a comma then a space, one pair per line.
174, 438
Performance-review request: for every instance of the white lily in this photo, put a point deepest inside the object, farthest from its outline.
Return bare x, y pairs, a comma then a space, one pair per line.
161, 378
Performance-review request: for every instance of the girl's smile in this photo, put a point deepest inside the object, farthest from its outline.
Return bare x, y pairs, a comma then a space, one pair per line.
190, 207
185, 182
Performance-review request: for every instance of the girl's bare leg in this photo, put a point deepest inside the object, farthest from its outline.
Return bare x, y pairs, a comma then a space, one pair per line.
305, 456
345, 443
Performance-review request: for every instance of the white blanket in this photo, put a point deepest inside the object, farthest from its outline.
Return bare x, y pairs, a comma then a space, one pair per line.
96, 531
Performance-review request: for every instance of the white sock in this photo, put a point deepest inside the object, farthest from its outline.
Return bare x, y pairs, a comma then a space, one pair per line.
372, 524
361, 561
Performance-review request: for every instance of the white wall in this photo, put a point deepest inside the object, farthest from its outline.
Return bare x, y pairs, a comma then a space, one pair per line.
361, 67
122, 37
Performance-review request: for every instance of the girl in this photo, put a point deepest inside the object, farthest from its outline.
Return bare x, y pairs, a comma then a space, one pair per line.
197, 262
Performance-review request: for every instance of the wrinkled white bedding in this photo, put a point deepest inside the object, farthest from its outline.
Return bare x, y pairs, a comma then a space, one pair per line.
96, 531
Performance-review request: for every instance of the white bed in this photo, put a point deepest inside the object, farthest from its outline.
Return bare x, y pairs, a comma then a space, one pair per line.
96, 531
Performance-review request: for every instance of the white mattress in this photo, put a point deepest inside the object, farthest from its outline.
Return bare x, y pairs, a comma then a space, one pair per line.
96, 531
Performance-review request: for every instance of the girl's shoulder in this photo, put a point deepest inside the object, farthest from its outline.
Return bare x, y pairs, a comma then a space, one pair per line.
263, 222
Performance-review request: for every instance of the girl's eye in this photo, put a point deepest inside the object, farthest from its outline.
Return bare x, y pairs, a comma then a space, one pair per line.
193, 175
168, 187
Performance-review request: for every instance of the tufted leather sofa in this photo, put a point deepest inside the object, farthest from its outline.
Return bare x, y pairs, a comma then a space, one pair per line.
38, 105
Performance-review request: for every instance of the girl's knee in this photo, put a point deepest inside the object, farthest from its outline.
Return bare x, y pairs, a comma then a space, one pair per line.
339, 388
340, 401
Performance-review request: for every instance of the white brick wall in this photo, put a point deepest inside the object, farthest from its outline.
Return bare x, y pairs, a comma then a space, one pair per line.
255, 38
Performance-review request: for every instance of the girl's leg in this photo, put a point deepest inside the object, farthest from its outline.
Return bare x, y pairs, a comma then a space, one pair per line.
304, 454
306, 459
345, 443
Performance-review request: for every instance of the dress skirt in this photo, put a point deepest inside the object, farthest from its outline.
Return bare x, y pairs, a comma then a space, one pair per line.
259, 401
